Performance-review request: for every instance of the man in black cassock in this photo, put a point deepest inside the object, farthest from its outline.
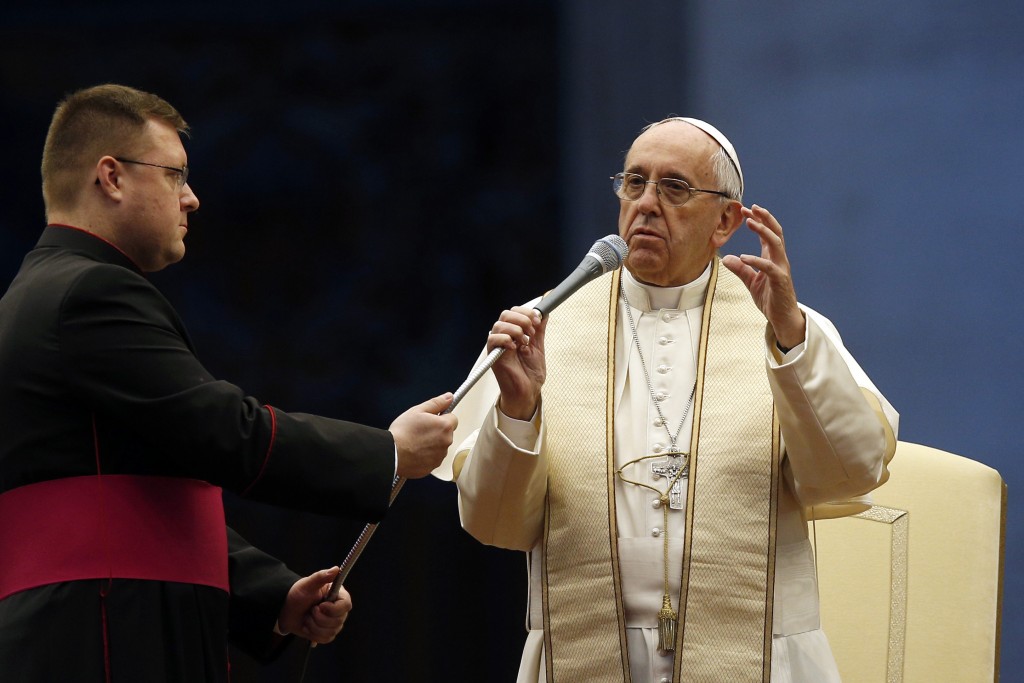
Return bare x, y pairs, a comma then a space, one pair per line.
115, 562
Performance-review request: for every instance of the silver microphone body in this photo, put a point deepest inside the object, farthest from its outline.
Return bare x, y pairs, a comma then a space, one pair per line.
606, 254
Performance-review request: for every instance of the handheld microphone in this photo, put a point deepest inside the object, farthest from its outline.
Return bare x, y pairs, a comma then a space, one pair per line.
608, 253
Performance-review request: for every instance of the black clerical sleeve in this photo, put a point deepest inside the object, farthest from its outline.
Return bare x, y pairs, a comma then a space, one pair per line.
159, 411
259, 585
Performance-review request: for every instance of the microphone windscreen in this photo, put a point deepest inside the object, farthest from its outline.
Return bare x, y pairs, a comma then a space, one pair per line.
606, 254
610, 252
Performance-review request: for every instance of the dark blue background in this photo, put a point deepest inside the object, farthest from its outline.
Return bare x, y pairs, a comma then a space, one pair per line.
379, 179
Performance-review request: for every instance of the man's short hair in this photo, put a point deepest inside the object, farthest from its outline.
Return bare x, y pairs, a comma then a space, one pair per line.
93, 122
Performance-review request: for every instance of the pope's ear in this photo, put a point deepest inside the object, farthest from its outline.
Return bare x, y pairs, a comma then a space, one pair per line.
729, 221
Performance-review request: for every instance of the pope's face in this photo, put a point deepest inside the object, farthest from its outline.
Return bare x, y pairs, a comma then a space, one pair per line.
672, 245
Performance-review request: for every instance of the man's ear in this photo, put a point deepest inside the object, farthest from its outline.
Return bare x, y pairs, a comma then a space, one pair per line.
729, 221
108, 177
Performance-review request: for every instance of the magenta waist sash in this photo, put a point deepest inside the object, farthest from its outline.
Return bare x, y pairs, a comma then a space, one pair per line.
112, 526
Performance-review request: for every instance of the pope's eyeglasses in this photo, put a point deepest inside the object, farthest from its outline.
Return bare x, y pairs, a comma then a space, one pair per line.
671, 191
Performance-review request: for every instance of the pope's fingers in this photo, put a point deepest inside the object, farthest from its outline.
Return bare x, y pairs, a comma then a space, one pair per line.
763, 215
509, 339
741, 269
761, 220
530, 312
770, 240
521, 316
513, 328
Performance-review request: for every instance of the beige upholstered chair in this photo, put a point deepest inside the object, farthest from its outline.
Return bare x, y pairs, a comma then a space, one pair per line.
911, 590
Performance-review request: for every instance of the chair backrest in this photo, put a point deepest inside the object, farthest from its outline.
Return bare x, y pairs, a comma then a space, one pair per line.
911, 590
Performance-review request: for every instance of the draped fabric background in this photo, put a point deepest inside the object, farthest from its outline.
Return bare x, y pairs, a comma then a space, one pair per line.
380, 179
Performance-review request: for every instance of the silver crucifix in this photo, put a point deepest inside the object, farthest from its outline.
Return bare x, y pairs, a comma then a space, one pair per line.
669, 468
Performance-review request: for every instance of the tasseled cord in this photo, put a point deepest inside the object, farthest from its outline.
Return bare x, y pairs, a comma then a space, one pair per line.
666, 626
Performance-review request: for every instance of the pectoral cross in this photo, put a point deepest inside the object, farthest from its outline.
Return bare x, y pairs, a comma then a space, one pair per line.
669, 468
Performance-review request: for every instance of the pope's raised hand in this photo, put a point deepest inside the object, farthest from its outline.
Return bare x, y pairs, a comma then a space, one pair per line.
769, 277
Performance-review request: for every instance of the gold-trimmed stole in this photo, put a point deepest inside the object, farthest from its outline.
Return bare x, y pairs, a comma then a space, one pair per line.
584, 623
728, 579
725, 620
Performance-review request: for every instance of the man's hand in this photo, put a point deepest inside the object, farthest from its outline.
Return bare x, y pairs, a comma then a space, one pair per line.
521, 370
306, 615
422, 436
769, 278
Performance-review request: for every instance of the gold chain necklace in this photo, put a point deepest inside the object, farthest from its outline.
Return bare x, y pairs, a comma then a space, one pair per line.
676, 468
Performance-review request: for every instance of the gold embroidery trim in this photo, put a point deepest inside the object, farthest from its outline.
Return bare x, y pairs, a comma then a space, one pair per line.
899, 523
613, 308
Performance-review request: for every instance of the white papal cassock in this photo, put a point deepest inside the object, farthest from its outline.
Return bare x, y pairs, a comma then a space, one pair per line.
836, 443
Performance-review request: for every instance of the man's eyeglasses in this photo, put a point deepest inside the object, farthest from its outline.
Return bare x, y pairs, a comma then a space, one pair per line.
182, 172
671, 191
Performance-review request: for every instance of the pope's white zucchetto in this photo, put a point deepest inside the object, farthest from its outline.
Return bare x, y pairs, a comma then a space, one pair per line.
719, 138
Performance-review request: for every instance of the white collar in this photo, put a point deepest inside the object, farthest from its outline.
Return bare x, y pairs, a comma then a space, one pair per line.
648, 298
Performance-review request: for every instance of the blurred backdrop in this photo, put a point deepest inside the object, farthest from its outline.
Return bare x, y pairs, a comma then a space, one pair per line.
379, 179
